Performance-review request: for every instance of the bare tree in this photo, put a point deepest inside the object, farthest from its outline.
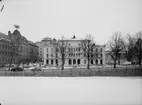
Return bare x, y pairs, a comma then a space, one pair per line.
138, 47
116, 45
88, 49
130, 47
14, 51
15, 47
62, 49
134, 47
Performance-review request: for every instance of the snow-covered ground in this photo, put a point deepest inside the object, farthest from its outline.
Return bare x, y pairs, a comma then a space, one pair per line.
70, 91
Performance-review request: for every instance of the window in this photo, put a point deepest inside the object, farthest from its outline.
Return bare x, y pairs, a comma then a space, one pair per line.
101, 61
56, 62
101, 49
70, 62
79, 49
69, 49
52, 61
47, 50
101, 55
74, 61
2, 46
74, 49
96, 61
78, 61
47, 61
51, 50
91, 61
47, 55
84, 61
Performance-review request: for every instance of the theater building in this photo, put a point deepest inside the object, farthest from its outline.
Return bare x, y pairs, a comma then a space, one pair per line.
75, 53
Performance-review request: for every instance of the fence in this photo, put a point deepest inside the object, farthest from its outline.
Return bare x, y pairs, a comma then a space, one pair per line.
75, 72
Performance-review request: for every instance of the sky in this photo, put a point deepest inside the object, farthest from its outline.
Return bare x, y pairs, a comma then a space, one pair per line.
70, 91
56, 18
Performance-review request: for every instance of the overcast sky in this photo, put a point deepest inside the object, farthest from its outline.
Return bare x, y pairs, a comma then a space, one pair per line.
54, 18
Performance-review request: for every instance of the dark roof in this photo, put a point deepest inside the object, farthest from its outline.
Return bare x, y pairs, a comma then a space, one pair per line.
2, 35
16, 32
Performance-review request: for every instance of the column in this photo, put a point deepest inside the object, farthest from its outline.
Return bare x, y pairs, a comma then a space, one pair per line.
98, 61
44, 61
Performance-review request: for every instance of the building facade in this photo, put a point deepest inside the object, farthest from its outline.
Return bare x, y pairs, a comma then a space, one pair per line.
8, 51
121, 58
74, 57
40, 50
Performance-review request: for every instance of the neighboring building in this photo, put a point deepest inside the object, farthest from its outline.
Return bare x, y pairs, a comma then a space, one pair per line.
6, 50
109, 59
75, 56
40, 50
24, 52
33, 51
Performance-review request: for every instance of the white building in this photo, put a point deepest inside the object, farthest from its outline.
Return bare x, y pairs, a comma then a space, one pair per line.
40, 50
41, 45
74, 56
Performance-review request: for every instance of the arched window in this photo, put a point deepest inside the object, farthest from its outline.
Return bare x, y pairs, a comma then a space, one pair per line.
101, 61
47, 61
56, 61
74, 61
84, 61
96, 61
70, 62
91, 61
52, 61
78, 61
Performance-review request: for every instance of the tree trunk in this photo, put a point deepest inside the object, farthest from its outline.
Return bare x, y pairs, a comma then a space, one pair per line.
88, 65
10, 62
88, 58
62, 64
119, 60
139, 61
115, 62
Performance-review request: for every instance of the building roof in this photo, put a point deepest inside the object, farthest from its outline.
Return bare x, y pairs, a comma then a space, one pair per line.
32, 43
4, 36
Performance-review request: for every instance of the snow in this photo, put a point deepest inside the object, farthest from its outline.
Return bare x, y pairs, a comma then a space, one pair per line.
70, 90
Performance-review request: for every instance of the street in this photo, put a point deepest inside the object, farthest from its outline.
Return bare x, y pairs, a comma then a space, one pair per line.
75, 72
